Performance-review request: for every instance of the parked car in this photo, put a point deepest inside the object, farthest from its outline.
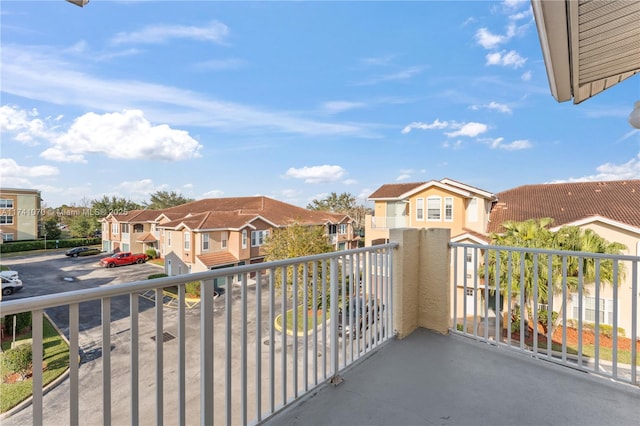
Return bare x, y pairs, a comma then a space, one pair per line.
123, 258
362, 312
9, 274
82, 251
10, 286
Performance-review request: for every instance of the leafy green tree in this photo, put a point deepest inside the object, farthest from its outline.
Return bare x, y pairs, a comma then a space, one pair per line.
51, 228
83, 225
19, 360
297, 240
164, 199
117, 205
342, 203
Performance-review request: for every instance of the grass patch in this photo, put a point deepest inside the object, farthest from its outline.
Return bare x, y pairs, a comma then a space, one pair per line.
4, 268
605, 354
301, 312
158, 261
56, 359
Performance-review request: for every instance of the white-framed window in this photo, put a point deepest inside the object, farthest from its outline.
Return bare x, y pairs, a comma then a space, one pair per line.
420, 209
258, 237
6, 203
138, 227
205, 242
342, 229
187, 241
605, 309
244, 238
7, 237
6, 220
125, 228
434, 208
448, 209
472, 210
224, 236
169, 238
114, 228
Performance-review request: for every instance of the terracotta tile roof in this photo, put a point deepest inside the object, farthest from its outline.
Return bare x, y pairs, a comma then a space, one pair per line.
137, 216
234, 213
217, 258
568, 202
395, 190
479, 236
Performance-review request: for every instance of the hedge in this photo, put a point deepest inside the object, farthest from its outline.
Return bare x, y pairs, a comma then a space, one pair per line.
16, 246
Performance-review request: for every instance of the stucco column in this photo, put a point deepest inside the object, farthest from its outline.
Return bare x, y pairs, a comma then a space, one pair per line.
421, 292
405, 280
435, 283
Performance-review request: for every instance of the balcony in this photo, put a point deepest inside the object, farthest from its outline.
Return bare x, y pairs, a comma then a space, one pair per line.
417, 349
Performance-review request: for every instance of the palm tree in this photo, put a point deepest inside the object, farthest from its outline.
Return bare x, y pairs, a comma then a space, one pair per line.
537, 275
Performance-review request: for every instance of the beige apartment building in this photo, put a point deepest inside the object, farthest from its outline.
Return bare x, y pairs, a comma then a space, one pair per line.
21, 214
216, 232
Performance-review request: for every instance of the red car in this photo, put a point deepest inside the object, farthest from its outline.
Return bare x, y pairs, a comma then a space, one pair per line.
123, 258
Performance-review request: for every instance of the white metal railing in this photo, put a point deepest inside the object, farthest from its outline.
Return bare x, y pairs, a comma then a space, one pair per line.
585, 275
248, 366
388, 222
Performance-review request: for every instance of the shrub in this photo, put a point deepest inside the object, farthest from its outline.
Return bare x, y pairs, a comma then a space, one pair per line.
153, 276
543, 318
192, 288
19, 360
15, 246
151, 253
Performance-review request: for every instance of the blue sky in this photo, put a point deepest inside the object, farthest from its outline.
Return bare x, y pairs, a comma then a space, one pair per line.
292, 100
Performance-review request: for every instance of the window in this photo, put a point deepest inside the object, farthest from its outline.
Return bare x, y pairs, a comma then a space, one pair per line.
244, 239
605, 309
114, 228
7, 237
342, 229
138, 227
433, 208
333, 229
258, 237
205, 242
472, 210
169, 238
187, 241
448, 209
6, 203
223, 239
6, 220
420, 209
125, 228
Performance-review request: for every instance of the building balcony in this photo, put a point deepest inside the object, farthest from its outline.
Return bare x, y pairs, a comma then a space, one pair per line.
385, 335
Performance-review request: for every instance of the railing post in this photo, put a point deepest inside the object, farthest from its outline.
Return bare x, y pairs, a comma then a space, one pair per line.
335, 352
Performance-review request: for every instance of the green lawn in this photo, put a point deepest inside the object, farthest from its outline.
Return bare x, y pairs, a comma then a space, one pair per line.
605, 354
301, 311
56, 359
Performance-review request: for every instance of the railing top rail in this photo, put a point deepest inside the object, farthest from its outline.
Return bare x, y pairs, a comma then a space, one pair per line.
85, 295
546, 251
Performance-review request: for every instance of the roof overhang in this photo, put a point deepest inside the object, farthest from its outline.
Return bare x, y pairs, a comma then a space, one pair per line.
588, 45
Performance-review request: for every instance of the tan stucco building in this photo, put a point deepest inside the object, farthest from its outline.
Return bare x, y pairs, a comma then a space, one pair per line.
21, 214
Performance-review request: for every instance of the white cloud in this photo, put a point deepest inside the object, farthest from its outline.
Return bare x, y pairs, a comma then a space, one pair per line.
526, 76
141, 187
495, 106
350, 182
23, 124
215, 193
507, 59
290, 193
437, 124
457, 144
127, 135
11, 169
333, 107
470, 129
488, 40
317, 174
215, 32
498, 143
403, 176
610, 171
38, 74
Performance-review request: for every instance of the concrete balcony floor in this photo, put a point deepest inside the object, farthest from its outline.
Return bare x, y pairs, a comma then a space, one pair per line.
432, 379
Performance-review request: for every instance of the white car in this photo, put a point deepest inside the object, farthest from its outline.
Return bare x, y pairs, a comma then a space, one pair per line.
11, 275
10, 286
